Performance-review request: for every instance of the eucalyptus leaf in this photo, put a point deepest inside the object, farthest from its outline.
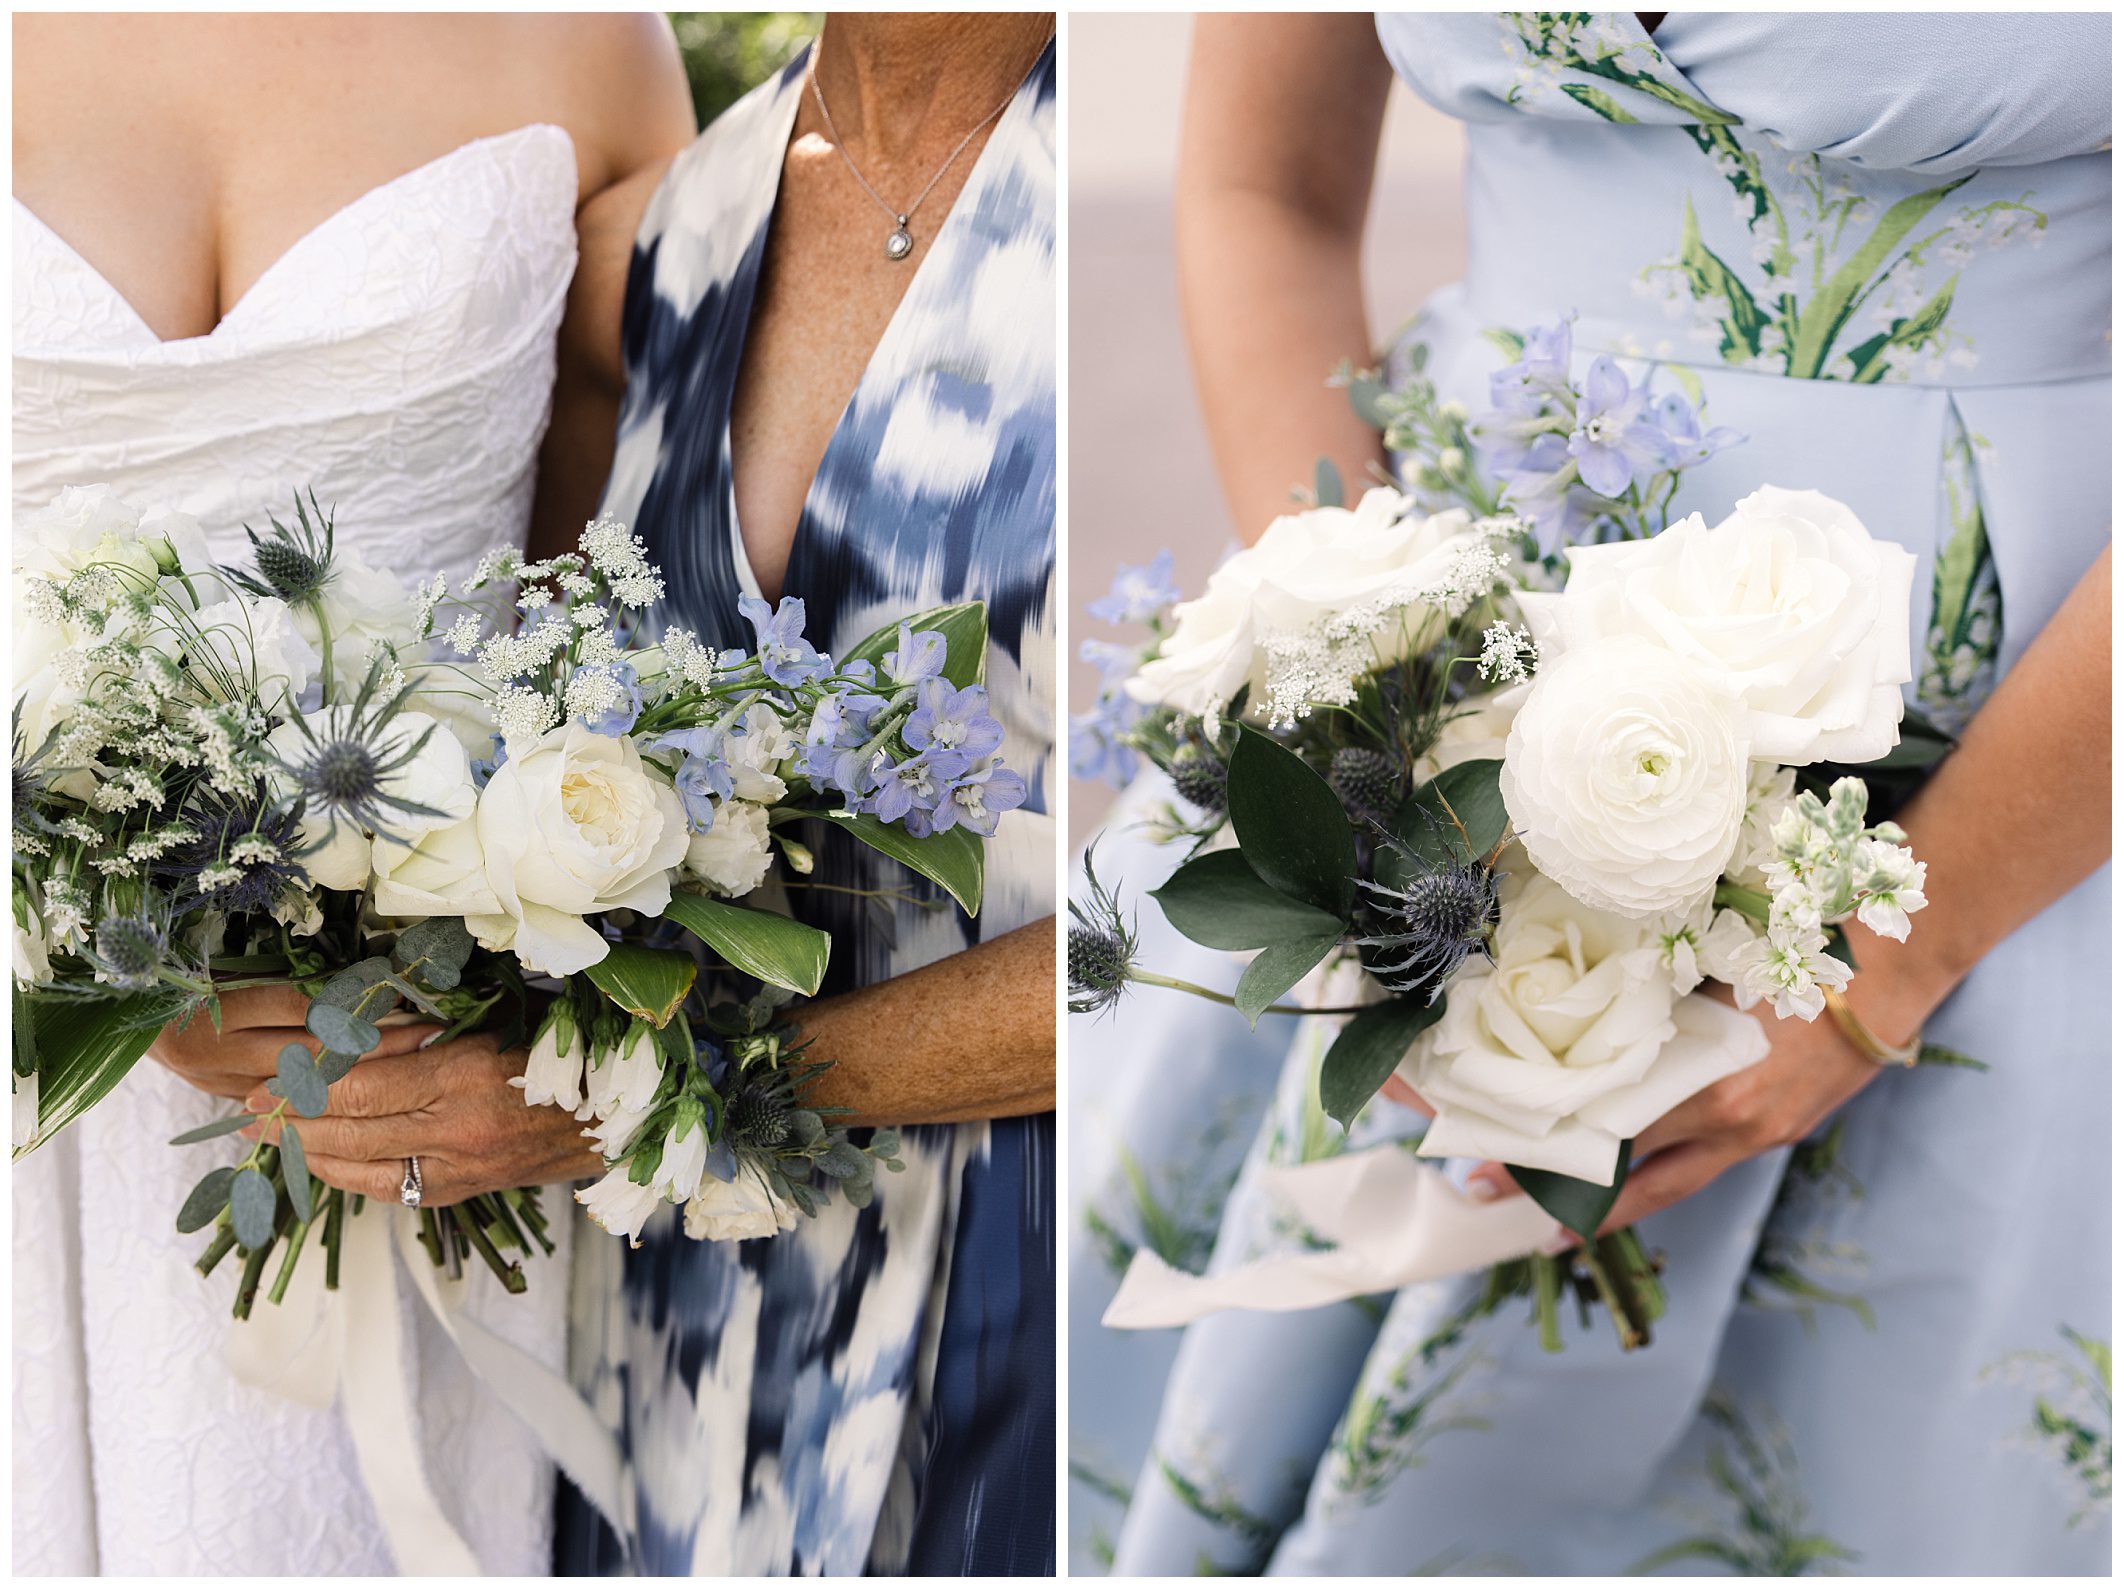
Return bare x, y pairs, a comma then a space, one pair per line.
296, 1079
1327, 484
759, 943
332, 1067
341, 1032
1271, 973
440, 946
251, 1209
1290, 826
1367, 1050
1578, 1206
1219, 901
212, 1129
295, 1170
204, 1203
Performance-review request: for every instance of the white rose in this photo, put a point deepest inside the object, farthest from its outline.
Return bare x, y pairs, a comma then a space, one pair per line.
738, 1209
733, 856
1570, 1042
86, 525
253, 645
1626, 778
442, 872
755, 746
620, 1206
1306, 567
340, 855
1789, 605
365, 609
572, 825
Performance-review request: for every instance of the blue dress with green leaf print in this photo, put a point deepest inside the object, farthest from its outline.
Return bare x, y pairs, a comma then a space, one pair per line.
1879, 246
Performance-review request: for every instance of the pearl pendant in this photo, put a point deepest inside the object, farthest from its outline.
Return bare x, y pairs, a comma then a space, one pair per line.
901, 243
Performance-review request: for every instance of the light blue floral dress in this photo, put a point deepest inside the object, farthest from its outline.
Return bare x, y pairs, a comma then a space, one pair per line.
1879, 247
874, 1390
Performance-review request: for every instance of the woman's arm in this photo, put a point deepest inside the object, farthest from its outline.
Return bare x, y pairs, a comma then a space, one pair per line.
645, 117
1277, 146
2014, 819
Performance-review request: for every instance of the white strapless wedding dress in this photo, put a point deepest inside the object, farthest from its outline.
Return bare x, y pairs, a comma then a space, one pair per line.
399, 360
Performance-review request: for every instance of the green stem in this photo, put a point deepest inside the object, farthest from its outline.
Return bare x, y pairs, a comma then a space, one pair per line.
334, 1231
287, 1264
509, 1274
1547, 1290
1630, 1327
1155, 980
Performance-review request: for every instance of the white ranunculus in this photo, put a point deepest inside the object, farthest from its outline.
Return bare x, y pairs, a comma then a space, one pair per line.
619, 1206
733, 856
1572, 1040
573, 824
738, 1209
340, 855
1626, 777
1789, 605
1305, 568
755, 746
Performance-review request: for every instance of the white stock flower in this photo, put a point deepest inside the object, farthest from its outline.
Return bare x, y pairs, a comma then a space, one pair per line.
755, 746
1769, 798
1572, 1040
573, 824
1626, 778
1890, 883
1307, 570
734, 855
1790, 970
738, 1209
619, 1206
339, 855
1789, 604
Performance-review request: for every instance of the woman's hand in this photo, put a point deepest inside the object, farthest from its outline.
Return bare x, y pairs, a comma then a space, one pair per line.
450, 1106
256, 1024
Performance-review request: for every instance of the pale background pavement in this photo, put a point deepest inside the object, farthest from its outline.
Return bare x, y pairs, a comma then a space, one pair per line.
1139, 465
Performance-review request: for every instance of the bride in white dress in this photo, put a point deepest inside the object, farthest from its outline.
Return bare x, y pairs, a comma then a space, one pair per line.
257, 254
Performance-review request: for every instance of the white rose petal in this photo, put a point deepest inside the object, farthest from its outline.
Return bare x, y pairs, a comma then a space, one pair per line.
340, 855
1626, 778
620, 1206
738, 1210
733, 856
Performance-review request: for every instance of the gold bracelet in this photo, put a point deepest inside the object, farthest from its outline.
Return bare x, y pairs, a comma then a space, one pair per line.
1863, 1040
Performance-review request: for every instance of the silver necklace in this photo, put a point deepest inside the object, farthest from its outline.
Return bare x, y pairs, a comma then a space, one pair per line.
899, 242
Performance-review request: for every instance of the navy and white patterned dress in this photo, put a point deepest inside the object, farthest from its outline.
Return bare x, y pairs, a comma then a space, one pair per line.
873, 1391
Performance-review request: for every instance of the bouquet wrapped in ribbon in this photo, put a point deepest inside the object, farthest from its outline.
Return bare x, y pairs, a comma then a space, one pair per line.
493, 805
1509, 779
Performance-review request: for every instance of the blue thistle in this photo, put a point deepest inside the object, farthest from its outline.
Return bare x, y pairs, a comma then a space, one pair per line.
294, 562
1102, 949
129, 951
222, 823
1432, 920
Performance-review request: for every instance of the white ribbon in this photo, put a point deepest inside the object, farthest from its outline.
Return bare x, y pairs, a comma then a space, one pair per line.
1398, 1221
317, 1345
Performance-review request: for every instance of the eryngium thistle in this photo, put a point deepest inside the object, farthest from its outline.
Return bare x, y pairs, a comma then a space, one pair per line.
128, 952
1102, 948
294, 562
759, 1117
1368, 782
256, 834
1427, 925
1200, 775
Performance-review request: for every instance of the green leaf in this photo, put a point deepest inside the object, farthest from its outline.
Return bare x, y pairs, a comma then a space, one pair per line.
1367, 1050
211, 1130
297, 1079
1270, 974
1455, 818
84, 1049
1218, 901
251, 1206
964, 627
1290, 826
759, 943
1952, 1058
206, 1200
1579, 1206
953, 859
439, 946
341, 1032
1327, 484
295, 1170
649, 983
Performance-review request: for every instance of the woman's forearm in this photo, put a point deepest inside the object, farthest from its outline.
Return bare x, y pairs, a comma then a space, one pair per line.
968, 1037
1277, 148
2012, 820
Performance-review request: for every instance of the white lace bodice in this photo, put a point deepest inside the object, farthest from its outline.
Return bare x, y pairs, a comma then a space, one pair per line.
398, 360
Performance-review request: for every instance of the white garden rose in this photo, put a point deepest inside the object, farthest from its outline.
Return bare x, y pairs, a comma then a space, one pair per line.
442, 872
733, 856
1569, 1041
1627, 778
737, 1209
1306, 568
619, 1206
755, 746
366, 610
572, 824
244, 644
340, 855
1789, 605
93, 525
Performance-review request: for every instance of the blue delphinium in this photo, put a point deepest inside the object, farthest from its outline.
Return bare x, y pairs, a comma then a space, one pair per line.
1688, 443
1613, 440
916, 784
785, 655
1097, 747
484, 768
1540, 376
920, 655
701, 782
975, 800
832, 753
945, 718
620, 717
1139, 593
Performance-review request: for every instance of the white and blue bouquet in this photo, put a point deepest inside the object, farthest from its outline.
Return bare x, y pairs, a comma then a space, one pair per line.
1505, 768
503, 805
